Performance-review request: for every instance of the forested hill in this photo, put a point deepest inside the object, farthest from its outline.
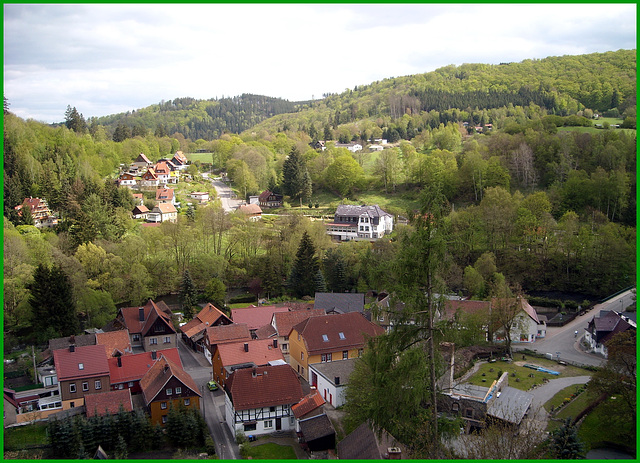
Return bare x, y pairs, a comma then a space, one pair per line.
564, 85
199, 119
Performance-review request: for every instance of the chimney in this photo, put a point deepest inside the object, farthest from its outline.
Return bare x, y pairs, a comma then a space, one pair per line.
72, 348
394, 453
246, 347
119, 362
275, 343
141, 314
72, 339
154, 355
336, 380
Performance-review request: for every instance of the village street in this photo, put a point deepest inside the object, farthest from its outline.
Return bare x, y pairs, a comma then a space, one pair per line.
225, 194
212, 403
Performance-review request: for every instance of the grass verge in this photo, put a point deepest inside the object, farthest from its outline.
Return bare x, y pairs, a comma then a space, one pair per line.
270, 451
21, 437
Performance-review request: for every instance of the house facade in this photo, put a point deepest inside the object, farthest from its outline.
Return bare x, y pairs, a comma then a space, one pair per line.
602, 328
126, 371
165, 195
81, 370
269, 199
259, 400
149, 327
40, 212
164, 212
526, 327
360, 223
193, 332
128, 179
331, 378
329, 338
252, 211
149, 178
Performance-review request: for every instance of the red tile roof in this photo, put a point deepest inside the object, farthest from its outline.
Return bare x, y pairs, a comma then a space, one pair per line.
308, 404
228, 333
208, 316
256, 317
264, 387
108, 403
284, 321
250, 209
133, 367
92, 359
260, 352
115, 342
166, 208
159, 374
151, 313
354, 327
164, 193
467, 307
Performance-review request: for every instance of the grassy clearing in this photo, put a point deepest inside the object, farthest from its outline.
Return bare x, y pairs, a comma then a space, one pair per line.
609, 422
519, 377
270, 451
21, 437
202, 157
571, 410
560, 397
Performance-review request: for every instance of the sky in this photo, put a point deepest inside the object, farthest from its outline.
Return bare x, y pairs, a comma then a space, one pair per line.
110, 58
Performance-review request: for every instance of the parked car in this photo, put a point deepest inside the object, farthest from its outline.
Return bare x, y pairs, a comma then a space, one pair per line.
212, 385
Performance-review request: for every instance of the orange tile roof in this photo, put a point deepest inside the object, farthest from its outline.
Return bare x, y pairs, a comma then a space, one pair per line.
208, 316
260, 352
250, 209
307, 404
164, 193
166, 208
222, 334
264, 387
256, 317
151, 313
354, 327
133, 367
108, 403
115, 342
159, 374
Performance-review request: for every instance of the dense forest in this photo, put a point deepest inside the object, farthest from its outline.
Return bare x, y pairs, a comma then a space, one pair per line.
536, 190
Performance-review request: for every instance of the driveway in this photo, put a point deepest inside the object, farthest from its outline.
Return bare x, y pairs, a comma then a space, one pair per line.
229, 204
212, 403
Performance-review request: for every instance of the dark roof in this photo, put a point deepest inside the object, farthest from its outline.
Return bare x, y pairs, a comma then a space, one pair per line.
316, 427
265, 332
364, 444
511, 405
371, 211
341, 331
339, 302
79, 340
340, 368
265, 386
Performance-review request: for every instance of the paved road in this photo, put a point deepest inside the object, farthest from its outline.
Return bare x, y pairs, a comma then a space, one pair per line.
224, 193
563, 340
212, 403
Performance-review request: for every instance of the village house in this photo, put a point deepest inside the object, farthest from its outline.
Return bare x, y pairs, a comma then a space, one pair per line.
527, 325
256, 317
148, 326
224, 334
269, 199
142, 162
40, 213
360, 223
252, 211
353, 147
179, 160
258, 400
316, 434
333, 303
604, 326
365, 443
165, 196
108, 403
149, 178
200, 197
166, 385
233, 356
116, 343
193, 332
81, 370
282, 322
127, 371
127, 179
164, 172
140, 212
164, 212
331, 379
329, 338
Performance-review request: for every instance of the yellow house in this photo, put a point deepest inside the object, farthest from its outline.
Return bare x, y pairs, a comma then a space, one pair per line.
329, 338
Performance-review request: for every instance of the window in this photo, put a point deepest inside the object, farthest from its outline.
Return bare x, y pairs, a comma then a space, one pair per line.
328, 357
120, 386
178, 390
153, 341
80, 366
361, 228
469, 412
72, 387
136, 338
325, 338
167, 339
98, 384
72, 405
268, 424
187, 402
85, 385
286, 338
345, 354
285, 347
455, 407
160, 329
130, 384
272, 409
341, 335
163, 405
169, 391
164, 419
301, 355
249, 427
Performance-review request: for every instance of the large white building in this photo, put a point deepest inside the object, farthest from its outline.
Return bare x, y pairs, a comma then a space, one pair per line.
360, 222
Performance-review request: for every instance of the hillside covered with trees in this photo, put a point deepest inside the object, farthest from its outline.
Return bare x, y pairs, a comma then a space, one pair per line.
533, 194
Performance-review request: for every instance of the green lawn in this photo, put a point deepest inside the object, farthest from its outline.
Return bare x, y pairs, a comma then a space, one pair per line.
557, 399
202, 157
571, 410
270, 451
21, 437
522, 379
609, 422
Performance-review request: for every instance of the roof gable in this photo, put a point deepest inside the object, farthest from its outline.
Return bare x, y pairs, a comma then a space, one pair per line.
159, 375
115, 342
256, 317
83, 361
133, 367
150, 311
257, 351
263, 387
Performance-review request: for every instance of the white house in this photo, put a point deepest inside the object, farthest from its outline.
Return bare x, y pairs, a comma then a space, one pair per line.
527, 325
331, 378
202, 197
258, 400
163, 212
360, 222
353, 147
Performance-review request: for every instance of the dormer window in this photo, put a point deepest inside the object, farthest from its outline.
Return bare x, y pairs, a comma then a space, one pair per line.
325, 338
80, 366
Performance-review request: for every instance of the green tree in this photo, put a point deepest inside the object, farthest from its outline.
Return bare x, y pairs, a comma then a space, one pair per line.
188, 296
296, 181
74, 120
216, 292
343, 174
54, 309
303, 280
565, 444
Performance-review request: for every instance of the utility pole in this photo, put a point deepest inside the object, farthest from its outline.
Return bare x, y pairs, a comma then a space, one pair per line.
35, 372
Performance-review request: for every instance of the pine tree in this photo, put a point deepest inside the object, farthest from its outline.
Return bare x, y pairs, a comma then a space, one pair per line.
188, 296
565, 444
296, 181
302, 279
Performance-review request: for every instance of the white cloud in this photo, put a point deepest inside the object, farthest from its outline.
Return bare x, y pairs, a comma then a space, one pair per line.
101, 57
